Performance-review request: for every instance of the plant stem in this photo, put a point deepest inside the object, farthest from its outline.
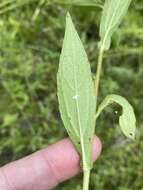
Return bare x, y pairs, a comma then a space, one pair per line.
98, 72
86, 177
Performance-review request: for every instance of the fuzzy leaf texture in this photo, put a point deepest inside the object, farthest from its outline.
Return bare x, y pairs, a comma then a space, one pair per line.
113, 13
127, 120
76, 93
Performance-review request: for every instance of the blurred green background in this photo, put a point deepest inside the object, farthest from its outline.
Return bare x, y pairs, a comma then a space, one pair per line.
31, 34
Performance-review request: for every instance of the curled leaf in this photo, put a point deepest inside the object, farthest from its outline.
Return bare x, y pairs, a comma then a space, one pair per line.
127, 120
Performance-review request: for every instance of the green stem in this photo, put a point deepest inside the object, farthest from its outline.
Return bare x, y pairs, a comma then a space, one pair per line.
98, 73
86, 177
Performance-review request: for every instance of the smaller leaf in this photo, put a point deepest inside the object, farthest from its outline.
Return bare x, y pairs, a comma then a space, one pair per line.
127, 120
113, 13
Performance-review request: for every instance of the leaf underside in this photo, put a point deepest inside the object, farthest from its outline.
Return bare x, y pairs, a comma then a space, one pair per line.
76, 93
113, 13
127, 120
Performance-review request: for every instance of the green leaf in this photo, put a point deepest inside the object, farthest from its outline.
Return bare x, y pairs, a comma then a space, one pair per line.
113, 13
127, 120
9, 119
79, 2
85, 2
76, 93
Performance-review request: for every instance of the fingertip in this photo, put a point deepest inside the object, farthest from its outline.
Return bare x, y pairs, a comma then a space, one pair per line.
97, 148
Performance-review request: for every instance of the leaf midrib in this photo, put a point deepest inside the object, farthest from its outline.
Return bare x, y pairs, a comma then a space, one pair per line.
78, 110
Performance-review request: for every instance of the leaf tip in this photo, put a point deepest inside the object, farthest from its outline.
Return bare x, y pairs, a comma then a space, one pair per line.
132, 136
68, 15
68, 19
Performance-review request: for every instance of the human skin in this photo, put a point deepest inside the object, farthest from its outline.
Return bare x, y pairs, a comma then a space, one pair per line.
46, 168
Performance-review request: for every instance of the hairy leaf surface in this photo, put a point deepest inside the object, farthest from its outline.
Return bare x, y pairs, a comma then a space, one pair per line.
127, 120
76, 93
113, 13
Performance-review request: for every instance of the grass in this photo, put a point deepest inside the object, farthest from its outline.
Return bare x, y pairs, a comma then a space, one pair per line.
30, 42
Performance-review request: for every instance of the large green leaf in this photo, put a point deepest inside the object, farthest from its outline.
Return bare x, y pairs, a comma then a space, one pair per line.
113, 13
76, 93
127, 120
